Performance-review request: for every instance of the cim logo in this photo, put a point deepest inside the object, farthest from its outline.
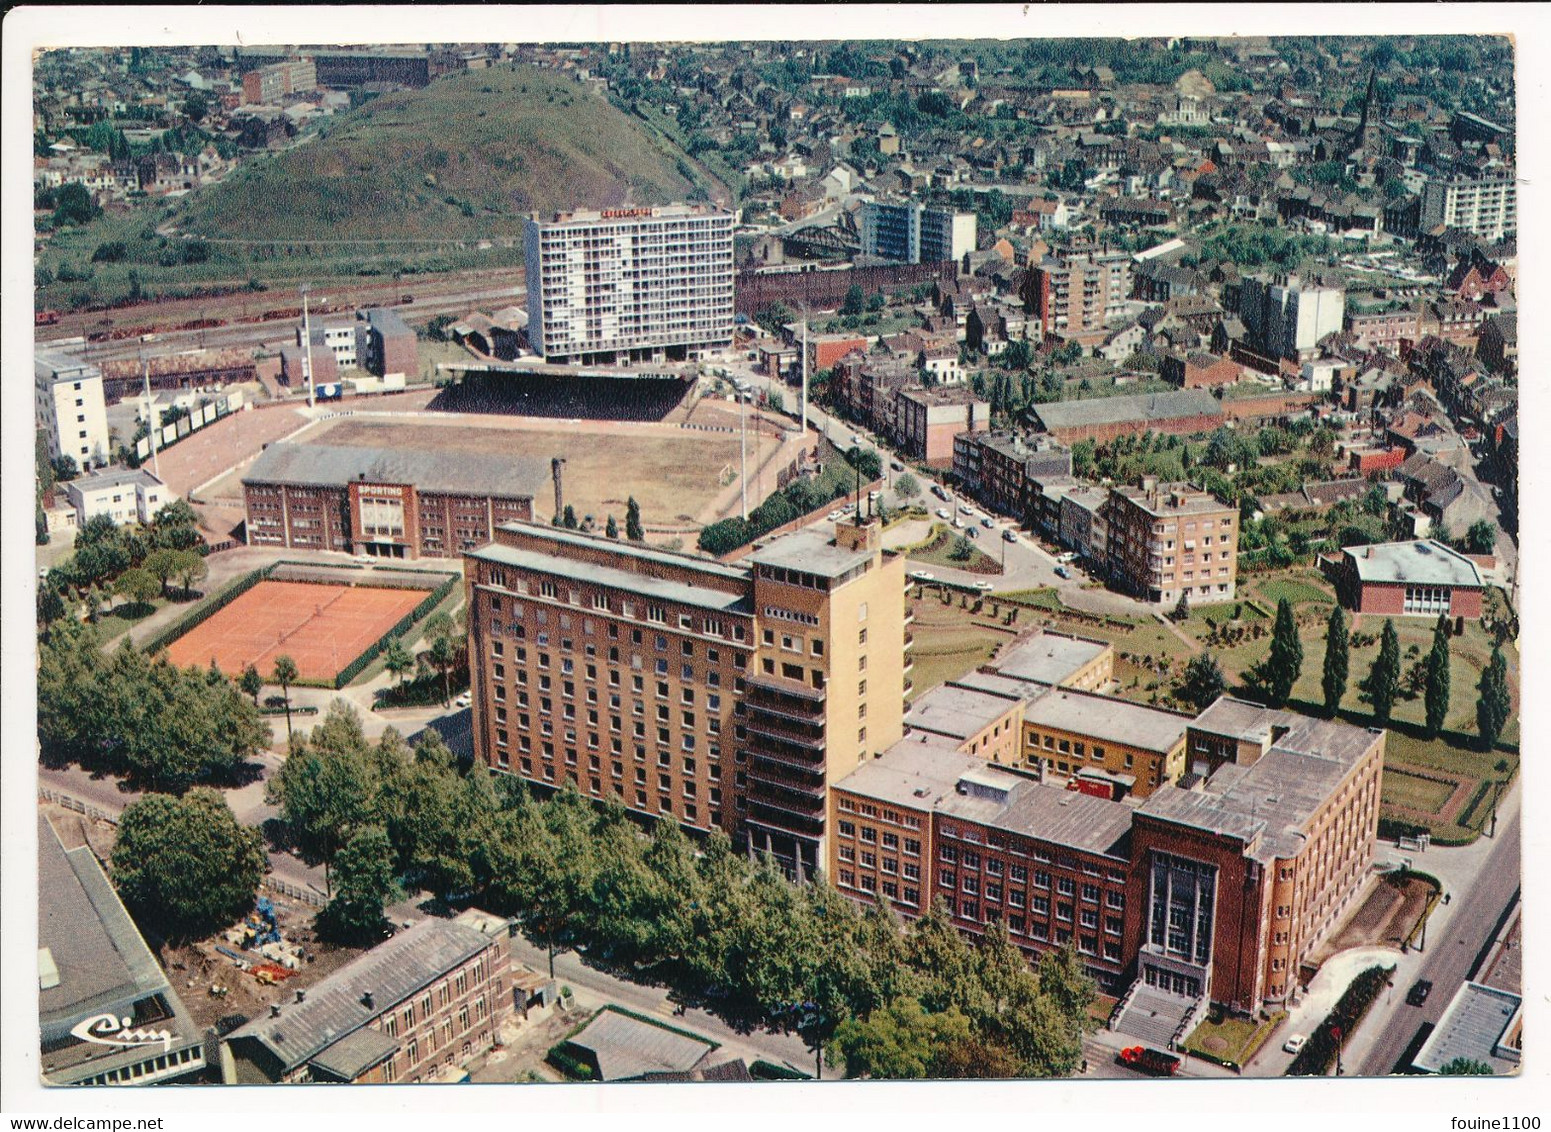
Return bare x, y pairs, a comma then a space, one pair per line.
109, 1030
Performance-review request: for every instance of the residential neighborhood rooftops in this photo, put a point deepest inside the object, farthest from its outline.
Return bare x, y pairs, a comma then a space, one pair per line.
1422, 562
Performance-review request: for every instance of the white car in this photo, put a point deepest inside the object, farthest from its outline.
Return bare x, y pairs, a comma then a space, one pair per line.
966, 509
942, 513
923, 575
363, 559
984, 587
1295, 1043
834, 515
464, 700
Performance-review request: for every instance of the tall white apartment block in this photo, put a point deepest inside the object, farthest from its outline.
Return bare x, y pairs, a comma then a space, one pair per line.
626, 285
1483, 206
909, 232
70, 408
1285, 317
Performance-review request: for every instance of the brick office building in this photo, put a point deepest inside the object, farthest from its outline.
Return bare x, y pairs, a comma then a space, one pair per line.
998, 467
1402, 579
1167, 539
427, 1000
725, 696
392, 503
1238, 876
1217, 889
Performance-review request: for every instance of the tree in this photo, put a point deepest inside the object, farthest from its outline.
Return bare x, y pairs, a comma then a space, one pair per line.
1495, 704
906, 486
1436, 696
73, 204
251, 683
136, 586
1337, 661
191, 569
443, 653
162, 565
568, 518
962, 550
1285, 660
899, 1042
285, 672
1481, 538
1182, 607
611, 529
1384, 676
364, 871
633, 529
397, 659
1466, 1067
184, 866
855, 300
195, 107
65, 468
328, 787
1203, 681
1376, 501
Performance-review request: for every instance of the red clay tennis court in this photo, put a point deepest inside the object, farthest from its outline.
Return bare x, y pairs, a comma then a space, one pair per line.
321, 627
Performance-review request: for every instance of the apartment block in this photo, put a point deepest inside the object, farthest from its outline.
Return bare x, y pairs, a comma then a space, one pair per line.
70, 409
928, 421
1165, 540
385, 345
269, 84
1075, 295
627, 285
1484, 206
910, 232
1285, 317
997, 467
720, 696
392, 503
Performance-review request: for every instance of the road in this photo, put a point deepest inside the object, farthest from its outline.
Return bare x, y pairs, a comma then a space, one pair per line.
1481, 880
653, 1001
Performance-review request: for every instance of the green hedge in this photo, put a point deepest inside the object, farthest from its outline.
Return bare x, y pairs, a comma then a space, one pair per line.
430, 602
1320, 1053
770, 1071
203, 613
570, 1064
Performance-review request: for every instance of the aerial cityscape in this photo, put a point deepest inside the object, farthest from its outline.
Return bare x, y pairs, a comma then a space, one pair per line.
777, 561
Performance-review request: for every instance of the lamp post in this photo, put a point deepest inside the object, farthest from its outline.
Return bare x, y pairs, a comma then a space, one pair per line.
307, 343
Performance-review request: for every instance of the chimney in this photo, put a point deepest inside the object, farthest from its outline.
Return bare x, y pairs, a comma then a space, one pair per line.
301, 996
556, 467
274, 1010
366, 1000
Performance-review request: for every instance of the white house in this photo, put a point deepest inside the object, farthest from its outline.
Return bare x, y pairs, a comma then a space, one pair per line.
125, 495
70, 408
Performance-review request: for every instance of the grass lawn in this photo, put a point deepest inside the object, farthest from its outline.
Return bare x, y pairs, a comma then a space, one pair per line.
949, 642
1232, 1039
1412, 792
1046, 597
937, 550
1295, 592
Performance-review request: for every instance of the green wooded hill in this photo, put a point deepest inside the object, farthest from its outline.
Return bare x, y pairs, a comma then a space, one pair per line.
464, 158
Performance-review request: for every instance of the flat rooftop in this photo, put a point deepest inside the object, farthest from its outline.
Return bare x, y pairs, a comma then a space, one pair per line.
336, 465
1272, 799
1242, 719
1169, 499
1048, 658
113, 477
1473, 1026
958, 712
812, 552
685, 593
1422, 562
1107, 719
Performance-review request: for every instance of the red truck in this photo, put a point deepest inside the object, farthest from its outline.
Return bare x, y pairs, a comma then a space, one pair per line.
1153, 1062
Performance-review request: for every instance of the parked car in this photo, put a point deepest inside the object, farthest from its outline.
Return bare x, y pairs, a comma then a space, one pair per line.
896, 465
939, 492
1295, 1043
1063, 572
1419, 991
922, 575
464, 700
984, 587
972, 533
1151, 1061
987, 522
966, 509
944, 513
1009, 535
363, 559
